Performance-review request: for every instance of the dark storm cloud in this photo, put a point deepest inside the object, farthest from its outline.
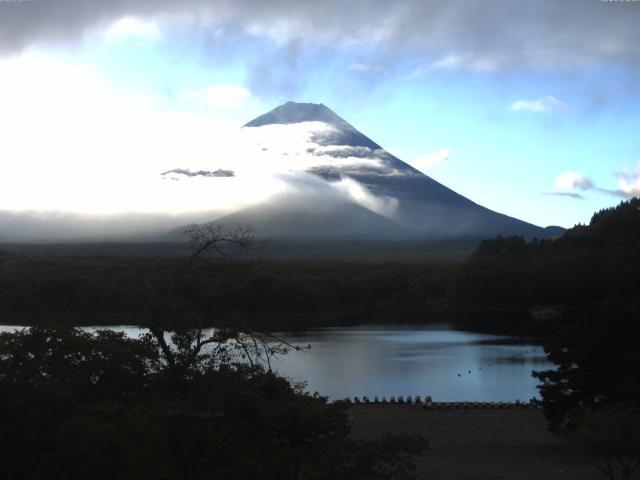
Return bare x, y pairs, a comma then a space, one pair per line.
487, 35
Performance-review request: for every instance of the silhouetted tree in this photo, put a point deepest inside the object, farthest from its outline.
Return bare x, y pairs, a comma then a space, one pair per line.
595, 350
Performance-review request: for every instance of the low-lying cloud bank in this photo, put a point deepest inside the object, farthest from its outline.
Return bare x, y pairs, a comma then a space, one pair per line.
56, 226
308, 190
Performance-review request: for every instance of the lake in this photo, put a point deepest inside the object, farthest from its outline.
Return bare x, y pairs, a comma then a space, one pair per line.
392, 360
449, 365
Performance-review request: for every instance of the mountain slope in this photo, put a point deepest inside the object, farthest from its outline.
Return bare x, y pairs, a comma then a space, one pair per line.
293, 217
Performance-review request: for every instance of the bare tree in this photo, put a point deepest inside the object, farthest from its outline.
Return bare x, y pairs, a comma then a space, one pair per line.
193, 345
214, 239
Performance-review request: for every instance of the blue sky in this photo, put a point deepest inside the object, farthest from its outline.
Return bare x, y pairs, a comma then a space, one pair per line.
529, 108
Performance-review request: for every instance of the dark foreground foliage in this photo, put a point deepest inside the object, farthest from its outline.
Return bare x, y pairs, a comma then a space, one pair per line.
595, 349
104, 406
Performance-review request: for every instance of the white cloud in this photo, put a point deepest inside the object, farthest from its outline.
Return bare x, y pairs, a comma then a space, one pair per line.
71, 143
573, 181
129, 26
629, 182
227, 96
470, 61
540, 105
431, 159
315, 189
358, 193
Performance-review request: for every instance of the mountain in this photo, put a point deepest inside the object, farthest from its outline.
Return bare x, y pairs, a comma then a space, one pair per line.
419, 206
297, 174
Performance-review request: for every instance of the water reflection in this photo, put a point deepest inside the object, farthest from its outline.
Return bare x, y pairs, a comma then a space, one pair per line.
435, 360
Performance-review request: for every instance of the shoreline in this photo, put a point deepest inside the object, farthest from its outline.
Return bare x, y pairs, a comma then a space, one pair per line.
455, 405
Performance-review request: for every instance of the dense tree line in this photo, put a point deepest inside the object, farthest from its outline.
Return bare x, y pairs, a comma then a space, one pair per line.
596, 263
279, 294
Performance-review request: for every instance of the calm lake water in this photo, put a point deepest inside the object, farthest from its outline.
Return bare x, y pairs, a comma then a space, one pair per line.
449, 365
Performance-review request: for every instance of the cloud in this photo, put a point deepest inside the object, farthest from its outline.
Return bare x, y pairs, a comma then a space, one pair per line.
566, 194
470, 61
574, 181
92, 141
629, 182
357, 192
199, 173
55, 225
129, 26
285, 48
485, 36
566, 183
317, 190
431, 159
540, 105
